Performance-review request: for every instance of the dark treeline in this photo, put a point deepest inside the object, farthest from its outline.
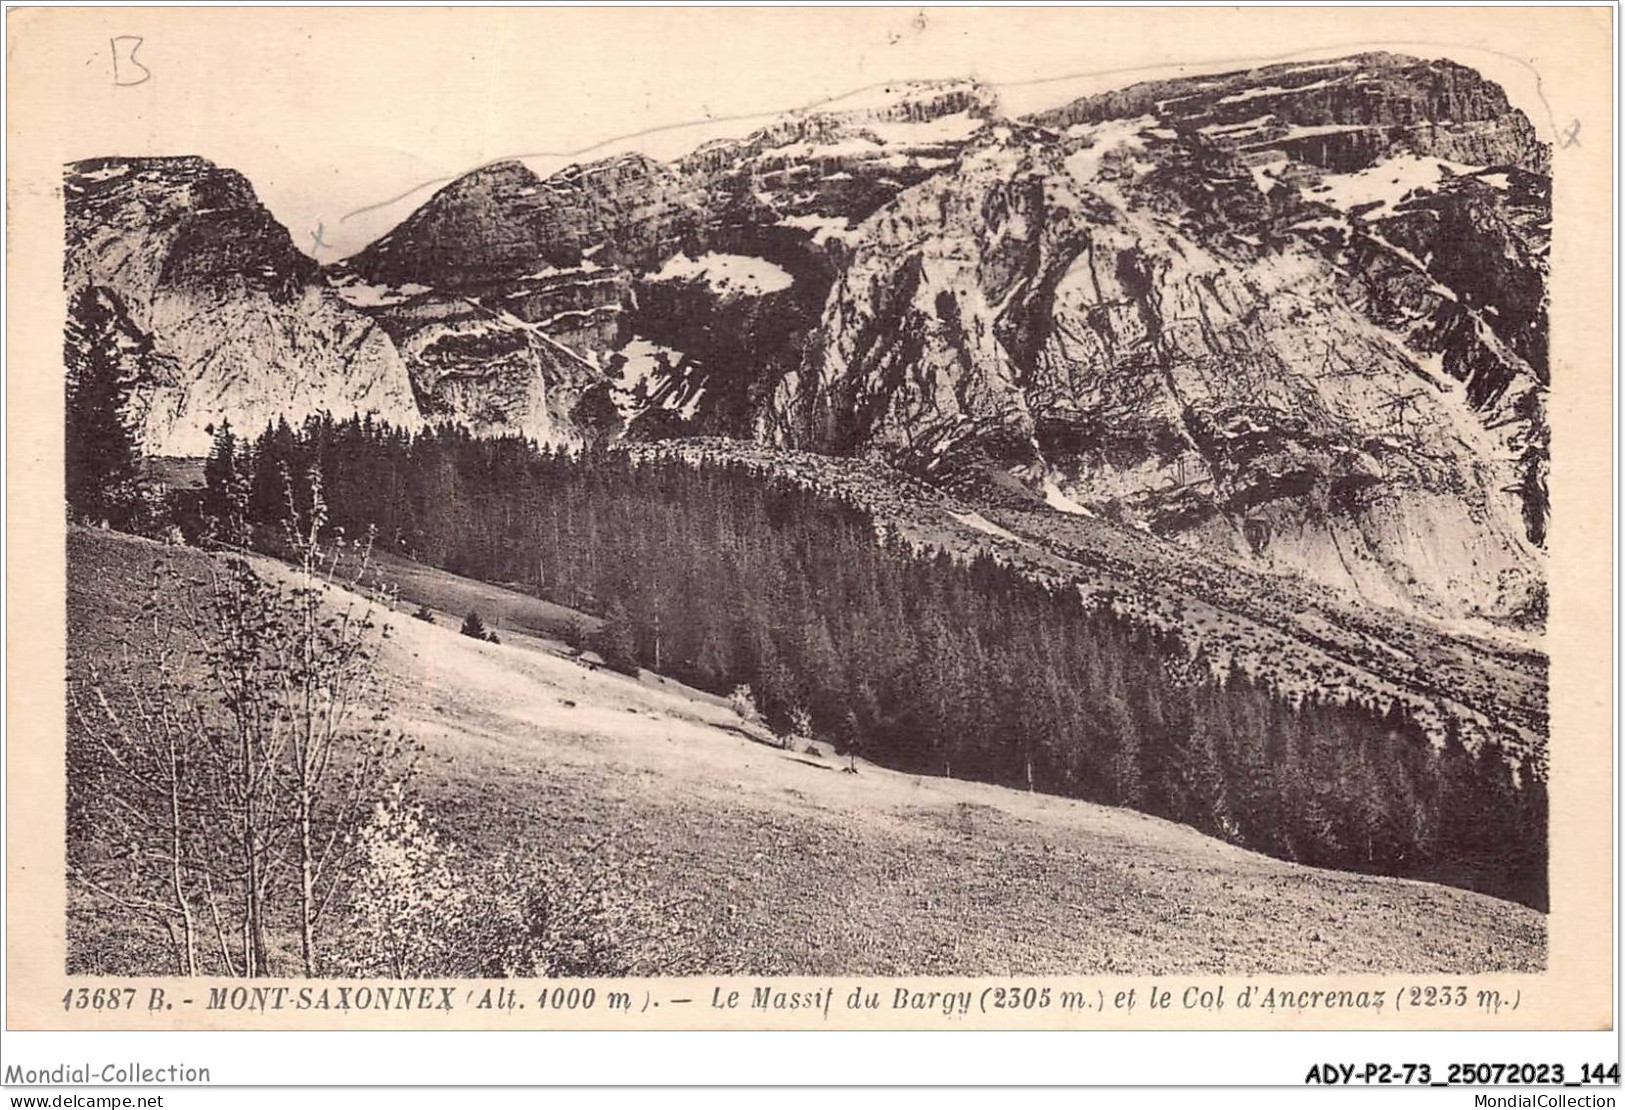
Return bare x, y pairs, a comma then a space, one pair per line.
721, 577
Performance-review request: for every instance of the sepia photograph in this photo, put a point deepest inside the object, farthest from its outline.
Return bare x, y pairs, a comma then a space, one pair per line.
972, 521
796, 555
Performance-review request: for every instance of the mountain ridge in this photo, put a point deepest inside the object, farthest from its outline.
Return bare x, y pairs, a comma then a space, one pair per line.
232, 319
1293, 316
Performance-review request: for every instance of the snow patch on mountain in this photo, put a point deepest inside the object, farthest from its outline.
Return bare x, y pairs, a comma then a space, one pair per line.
1111, 137
104, 174
1055, 499
955, 128
649, 379
823, 228
1235, 130
1386, 183
982, 524
1276, 90
858, 146
646, 365
588, 266
360, 294
728, 275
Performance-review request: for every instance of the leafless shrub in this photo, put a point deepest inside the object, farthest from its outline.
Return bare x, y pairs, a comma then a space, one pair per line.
422, 906
743, 701
242, 742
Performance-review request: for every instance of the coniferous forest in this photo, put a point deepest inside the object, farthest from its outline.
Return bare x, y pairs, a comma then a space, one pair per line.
721, 577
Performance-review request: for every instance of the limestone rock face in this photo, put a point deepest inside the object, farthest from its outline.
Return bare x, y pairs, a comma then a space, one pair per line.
1296, 315
692, 284
516, 362
232, 320
1427, 192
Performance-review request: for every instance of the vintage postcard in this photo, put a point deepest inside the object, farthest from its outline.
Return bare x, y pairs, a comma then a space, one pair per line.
809, 518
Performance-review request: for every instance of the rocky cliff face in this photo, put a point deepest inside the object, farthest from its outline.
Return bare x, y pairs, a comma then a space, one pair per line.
1296, 315
1419, 183
514, 362
692, 284
227, 316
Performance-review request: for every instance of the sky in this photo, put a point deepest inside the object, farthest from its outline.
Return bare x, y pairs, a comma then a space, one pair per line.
345, 120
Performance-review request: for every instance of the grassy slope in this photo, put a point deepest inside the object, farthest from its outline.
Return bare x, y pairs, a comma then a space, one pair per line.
503, 611
789, 866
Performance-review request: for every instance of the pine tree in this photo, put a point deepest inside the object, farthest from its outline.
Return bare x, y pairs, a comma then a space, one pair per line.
617, 640
713, 666
778, 696
577, 635
101, 456
1122, 742
276, 453
473, 627
849, 740
1530, 881
225, 498
1199, 794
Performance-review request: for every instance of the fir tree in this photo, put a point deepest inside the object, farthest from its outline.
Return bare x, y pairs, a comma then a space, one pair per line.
225, 498
577, 635
617, 640
101, 459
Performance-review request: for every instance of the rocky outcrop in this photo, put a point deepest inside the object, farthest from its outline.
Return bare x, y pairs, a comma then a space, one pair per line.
1339, 115
1218, 312
503, 221
1292, 316
615, 258
513, 363
1421, 183
237, 322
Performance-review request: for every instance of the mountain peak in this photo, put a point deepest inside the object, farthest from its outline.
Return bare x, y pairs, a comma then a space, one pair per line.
233, 318
1372, 103
183, 181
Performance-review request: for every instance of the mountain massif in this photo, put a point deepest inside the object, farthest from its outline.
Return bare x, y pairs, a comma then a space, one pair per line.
1291, 319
